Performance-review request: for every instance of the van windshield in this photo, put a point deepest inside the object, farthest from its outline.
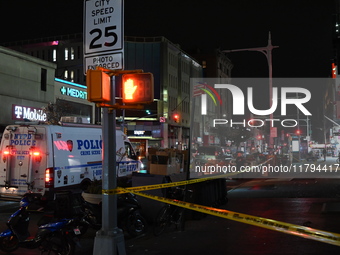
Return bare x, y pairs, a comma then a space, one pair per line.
129, 151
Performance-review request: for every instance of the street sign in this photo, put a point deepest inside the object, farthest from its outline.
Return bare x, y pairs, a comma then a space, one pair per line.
103, 34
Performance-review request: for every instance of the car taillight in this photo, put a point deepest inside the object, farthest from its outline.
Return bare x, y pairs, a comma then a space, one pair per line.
49, 178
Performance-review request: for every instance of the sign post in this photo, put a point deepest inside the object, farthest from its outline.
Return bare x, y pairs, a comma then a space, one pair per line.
103, 48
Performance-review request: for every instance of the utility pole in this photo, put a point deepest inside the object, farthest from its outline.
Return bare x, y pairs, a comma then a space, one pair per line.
267, 51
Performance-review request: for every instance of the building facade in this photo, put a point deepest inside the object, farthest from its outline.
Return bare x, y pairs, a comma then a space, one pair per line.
28, 85
172, 69
215, 64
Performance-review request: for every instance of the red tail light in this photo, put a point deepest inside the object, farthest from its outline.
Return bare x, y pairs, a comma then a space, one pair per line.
7, 152
49, 178
35, 153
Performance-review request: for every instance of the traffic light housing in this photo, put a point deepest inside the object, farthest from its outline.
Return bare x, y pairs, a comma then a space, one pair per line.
176, 117
98, 86
137, 88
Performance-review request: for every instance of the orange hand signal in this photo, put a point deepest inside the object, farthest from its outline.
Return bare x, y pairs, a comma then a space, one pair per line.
129, 89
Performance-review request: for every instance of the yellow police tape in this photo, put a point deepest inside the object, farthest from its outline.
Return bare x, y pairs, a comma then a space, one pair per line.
301, 231
160, 186
171, 184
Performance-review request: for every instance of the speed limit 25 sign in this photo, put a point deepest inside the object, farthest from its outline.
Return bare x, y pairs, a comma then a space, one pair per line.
103, 34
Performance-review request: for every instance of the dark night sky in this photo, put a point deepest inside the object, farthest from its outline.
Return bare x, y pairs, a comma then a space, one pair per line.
301, 29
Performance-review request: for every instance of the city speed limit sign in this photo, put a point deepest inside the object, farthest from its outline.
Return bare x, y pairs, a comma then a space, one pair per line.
103, 34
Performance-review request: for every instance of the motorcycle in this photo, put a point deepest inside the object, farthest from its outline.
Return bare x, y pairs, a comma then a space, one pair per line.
128, 215
53, 238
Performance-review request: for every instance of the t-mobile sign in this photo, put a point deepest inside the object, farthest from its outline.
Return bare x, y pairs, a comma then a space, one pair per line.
20, 112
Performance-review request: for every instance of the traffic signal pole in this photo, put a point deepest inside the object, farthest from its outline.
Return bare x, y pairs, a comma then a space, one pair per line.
137, 90
110, 239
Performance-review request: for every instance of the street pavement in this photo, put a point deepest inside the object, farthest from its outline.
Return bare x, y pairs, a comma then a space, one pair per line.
214, 235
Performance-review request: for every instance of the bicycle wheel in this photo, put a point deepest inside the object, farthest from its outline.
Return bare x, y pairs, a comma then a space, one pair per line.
162, 220
179, 219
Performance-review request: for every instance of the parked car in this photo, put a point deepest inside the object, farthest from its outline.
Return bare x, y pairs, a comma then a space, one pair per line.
210, 154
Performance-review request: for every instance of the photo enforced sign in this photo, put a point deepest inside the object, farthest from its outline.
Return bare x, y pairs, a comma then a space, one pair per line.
264, 128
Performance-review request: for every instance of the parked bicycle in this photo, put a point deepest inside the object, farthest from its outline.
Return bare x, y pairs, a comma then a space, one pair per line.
170, 214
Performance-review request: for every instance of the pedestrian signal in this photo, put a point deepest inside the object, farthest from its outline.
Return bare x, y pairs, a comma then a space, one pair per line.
137, 88
98, 86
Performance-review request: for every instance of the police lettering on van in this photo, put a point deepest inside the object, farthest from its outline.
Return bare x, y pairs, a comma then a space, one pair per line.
89, 147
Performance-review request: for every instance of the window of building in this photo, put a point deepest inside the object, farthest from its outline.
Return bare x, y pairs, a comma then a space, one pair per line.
66, 53
54, 55
65, 75
43, 79
72, 53
72, 76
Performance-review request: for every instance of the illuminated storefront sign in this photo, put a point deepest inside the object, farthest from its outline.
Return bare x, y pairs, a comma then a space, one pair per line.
138, 133
67, 91
20, 112
71, 89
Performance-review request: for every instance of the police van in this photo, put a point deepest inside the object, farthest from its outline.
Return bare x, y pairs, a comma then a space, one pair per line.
46, 158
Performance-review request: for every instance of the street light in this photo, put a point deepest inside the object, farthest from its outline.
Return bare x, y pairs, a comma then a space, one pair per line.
267, 51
